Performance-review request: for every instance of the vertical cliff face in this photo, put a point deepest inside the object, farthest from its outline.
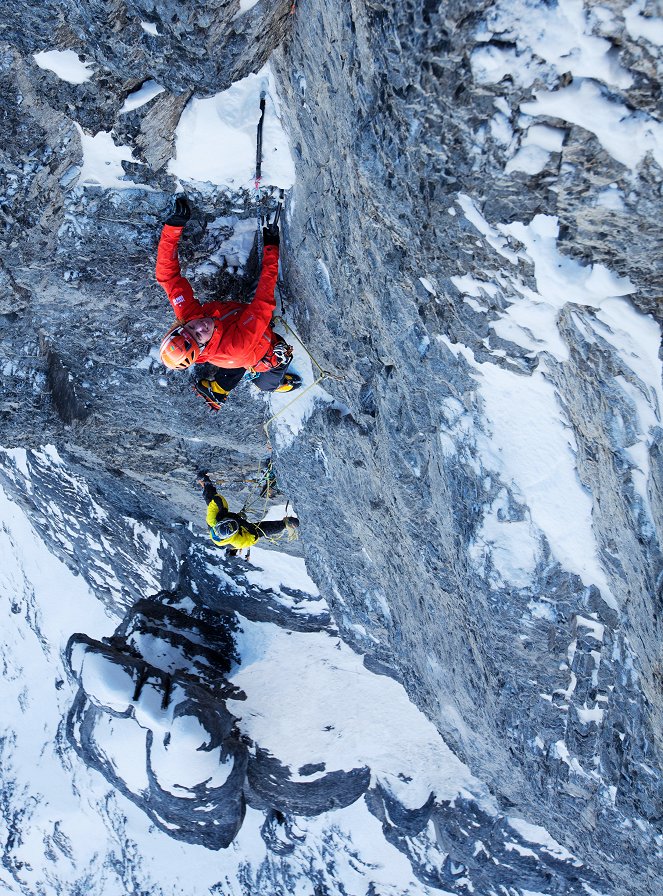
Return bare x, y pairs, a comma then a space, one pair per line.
471, 251
415, 244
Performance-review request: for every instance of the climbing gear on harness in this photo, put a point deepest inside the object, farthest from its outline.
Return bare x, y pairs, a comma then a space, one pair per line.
290, 382
224, 529
178, 349
282, 352
265, 488
269, 485
213, 394
279, 355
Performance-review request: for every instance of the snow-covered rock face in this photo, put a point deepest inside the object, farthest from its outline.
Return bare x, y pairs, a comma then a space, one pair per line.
471, 246
158, 688
487, 193
200, 47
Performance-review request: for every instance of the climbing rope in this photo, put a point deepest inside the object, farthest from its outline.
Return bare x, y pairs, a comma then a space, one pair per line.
249, 507
300, 392
290, 533
340, 377
252, 499
333, 376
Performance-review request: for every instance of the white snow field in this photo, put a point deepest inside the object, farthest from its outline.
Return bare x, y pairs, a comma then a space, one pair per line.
67, 823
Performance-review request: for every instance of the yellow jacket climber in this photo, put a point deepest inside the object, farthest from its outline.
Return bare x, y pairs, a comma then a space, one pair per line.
233, 530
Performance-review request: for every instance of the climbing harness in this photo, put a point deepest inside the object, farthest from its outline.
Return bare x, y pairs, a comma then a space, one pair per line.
282, 352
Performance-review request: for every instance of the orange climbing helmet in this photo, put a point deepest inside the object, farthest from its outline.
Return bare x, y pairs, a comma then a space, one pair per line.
178, 348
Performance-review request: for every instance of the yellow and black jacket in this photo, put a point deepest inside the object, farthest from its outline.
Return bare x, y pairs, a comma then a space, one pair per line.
218, 515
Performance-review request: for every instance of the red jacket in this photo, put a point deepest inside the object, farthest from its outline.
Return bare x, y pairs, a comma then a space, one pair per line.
243, 334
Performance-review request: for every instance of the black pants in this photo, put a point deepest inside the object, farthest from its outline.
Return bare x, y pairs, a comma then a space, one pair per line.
272, 527
271, 379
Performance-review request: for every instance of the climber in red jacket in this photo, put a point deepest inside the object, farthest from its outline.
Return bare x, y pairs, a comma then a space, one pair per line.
232, 336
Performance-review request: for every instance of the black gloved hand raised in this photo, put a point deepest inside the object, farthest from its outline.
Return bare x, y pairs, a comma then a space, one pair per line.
270, 235
181, 214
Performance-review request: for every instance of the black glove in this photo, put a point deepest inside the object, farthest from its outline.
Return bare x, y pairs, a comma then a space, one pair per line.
270, 235
209, 492
181, 214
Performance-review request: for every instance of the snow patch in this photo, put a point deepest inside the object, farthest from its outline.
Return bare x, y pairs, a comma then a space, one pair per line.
137, 98
535, 149
66, 64
333, 710
639, 25
215, 140
627, 136
102, 162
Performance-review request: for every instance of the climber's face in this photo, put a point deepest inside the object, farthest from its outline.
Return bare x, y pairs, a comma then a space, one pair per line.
201, 330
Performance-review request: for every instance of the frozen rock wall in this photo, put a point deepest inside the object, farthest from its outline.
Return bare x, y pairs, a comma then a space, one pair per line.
392, 125
405, 140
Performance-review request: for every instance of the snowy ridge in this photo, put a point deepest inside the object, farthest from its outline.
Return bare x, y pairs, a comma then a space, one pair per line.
83, 529
157, 686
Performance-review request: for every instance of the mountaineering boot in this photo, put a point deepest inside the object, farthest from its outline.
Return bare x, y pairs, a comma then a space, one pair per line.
290, 382
213, 394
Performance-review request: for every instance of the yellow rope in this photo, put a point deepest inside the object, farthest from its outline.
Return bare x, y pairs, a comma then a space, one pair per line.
334, 376
290, 403
323, 374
